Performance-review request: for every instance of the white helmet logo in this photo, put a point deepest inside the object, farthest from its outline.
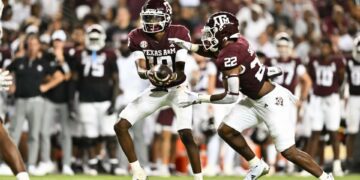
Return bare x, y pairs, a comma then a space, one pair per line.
221, 20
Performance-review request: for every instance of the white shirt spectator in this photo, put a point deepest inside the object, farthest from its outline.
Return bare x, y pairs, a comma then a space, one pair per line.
20, 12
107, 4
51, 7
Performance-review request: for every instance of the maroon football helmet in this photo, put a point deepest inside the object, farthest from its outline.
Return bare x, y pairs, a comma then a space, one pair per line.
220, 27
155, 16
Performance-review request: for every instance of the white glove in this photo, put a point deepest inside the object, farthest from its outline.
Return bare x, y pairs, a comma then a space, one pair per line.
6, 80
274, 71
192, 98
184, 44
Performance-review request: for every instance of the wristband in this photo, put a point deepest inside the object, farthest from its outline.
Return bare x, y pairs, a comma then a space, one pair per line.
204, 98
194, 47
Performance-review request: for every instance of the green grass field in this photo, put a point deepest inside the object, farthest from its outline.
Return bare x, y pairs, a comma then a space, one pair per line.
83, 177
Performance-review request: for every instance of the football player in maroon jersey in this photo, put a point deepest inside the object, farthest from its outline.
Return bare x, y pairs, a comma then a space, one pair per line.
266, 102
327, 71
150, 47
353, 106
293, 71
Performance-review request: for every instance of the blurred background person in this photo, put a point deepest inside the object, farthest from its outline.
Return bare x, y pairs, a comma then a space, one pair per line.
56, 106
97, 81
327, 72
30, 71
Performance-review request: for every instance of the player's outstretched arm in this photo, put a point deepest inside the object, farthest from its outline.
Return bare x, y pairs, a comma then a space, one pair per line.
230, 95
196, 48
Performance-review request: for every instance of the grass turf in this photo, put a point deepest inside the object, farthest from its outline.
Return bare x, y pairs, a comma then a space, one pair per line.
101, 177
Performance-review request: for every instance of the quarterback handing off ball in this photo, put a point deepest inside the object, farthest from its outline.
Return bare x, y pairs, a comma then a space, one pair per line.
161, 75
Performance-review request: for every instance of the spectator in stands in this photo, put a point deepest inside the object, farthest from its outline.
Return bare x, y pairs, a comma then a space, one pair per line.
282, 21
122, 26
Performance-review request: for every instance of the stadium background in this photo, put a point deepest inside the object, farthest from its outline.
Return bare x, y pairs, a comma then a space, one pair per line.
308, 21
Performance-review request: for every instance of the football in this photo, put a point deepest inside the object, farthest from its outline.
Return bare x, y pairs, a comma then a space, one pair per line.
161, 73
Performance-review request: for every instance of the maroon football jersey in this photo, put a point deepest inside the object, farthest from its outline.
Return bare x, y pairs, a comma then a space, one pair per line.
95, 71
157, 52
353, 75
289, 78
240, 54
324, 74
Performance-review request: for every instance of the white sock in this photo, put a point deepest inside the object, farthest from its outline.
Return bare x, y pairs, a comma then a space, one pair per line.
198, 176
135, 165
254, 161
323, 176
22, 176
337, 164
213, 150
271, 154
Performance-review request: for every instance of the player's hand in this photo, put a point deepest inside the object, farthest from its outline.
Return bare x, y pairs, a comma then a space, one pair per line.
193, 98
6, 80
172, 79
157, 83
151, 76
181, 43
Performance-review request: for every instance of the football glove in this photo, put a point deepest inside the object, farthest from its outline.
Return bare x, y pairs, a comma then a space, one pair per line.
184, 44
193, 98
273, 72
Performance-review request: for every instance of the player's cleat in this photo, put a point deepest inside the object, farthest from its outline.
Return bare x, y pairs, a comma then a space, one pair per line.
330, 177
139, 174
119, 172
211, 170
22, 176
5, 170
304, 173
272, 170
163, 171
257, 171
34, 171
92, 170
338, 172
337, 169
100, 167
47, 167
67, 171
239, 171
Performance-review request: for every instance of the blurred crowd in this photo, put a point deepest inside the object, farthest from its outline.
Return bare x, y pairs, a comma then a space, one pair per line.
32, 26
